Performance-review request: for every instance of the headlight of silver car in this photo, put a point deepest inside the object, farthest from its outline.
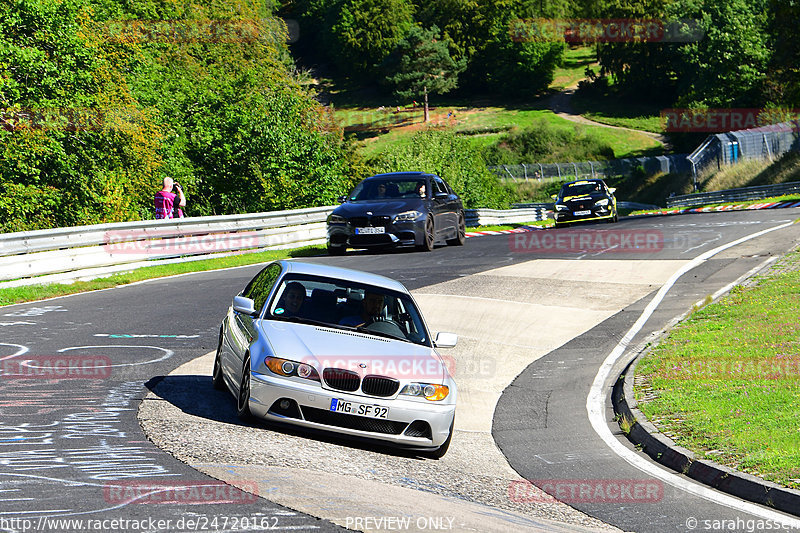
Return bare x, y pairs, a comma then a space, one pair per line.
600, 203
336, 219
286, 368
408, 216
429, 391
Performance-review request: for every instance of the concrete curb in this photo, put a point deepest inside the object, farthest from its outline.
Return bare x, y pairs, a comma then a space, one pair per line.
664, 451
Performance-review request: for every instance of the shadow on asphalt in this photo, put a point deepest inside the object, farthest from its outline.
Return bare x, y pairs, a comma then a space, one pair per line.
195, 395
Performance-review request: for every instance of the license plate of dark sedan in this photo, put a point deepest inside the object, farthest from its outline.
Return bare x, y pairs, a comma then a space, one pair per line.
370, 231
359, 409
580, 213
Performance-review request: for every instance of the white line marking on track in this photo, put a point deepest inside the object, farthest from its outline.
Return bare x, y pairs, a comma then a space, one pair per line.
595, 405
22, 350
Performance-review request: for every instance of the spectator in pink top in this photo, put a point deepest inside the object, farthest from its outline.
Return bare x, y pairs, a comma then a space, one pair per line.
164, 200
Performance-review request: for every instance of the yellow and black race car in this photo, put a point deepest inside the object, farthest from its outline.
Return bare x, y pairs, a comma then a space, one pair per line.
581, 200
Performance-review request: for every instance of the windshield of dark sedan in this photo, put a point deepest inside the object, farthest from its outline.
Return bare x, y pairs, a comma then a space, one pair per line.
581, 189
348, 305
388, 189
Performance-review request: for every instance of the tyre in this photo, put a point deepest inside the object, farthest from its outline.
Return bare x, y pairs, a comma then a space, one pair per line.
217, 379
461, 232
427, 244
439, 452
336, 250
243, 399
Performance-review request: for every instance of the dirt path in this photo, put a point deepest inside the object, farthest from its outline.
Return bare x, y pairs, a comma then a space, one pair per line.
560, 104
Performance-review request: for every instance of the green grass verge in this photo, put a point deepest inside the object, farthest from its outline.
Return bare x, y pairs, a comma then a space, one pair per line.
615, 111
40, 292
573, 67
379, 130
725, 383
503, 227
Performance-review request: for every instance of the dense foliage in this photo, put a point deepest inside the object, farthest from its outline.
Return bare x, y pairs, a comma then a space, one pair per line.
103, 99
454, 159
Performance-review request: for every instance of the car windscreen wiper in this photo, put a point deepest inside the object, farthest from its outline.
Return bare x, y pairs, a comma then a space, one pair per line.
362, 329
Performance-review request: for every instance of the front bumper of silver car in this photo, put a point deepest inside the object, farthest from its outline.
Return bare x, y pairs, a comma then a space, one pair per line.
412, 423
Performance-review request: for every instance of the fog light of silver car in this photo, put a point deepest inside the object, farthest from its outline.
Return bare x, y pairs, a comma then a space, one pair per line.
287, 367
285, 404
304, 371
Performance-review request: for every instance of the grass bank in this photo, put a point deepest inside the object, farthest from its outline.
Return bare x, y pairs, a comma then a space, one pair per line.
725, 383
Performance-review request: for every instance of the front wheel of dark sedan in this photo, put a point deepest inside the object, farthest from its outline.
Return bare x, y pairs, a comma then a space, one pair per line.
461, 232
427, 244
216, 377
243, 400
336, 250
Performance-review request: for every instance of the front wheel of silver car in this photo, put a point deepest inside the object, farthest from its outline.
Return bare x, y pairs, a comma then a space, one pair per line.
217, 379
461, 232
439, 452
243, 400
428, 238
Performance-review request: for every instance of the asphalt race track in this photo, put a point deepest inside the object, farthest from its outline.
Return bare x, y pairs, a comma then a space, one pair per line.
536, 318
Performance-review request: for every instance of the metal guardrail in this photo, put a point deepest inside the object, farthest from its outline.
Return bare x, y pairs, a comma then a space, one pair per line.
734, 195
38, 253
489, 217
66, 254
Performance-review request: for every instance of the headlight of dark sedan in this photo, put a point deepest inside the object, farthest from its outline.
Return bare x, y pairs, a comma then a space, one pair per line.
428, 391
408, 216
286, 368
336, 219
601, 203
561, 207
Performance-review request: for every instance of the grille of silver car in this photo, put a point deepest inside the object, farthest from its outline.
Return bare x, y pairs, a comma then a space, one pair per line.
379, 386
339, 379
360, 423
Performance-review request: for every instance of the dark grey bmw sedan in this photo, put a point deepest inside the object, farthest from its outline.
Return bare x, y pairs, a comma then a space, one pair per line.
397, 209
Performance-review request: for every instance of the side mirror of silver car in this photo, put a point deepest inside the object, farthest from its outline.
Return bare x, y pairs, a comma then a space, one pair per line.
446, 340
243, 305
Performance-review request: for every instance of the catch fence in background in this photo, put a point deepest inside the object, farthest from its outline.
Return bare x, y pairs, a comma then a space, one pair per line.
765, 142
668, 164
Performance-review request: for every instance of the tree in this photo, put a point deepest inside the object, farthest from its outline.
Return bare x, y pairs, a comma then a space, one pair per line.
365, 33
425, 66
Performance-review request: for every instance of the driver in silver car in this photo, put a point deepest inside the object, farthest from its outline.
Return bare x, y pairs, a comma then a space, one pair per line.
372, 306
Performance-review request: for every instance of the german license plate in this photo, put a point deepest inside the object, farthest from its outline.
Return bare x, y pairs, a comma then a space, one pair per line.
581, 213
359, 409
370, 231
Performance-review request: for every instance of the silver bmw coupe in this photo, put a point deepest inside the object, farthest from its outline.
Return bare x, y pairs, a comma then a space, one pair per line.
339, 350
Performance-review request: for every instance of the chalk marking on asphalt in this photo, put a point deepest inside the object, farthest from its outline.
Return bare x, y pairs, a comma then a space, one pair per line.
595, 404
167, 354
